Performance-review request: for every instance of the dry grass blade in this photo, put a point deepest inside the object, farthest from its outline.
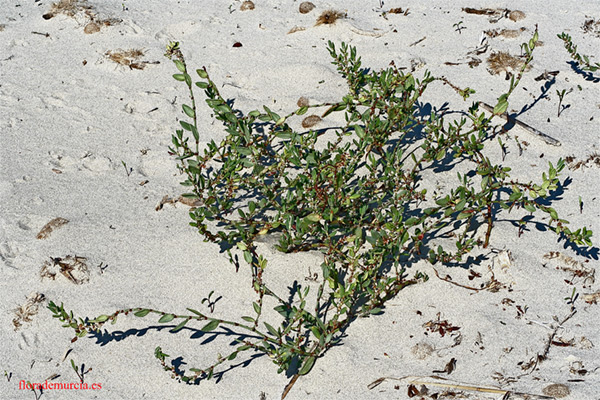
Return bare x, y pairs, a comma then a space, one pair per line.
438, 381
51, 226
548, 139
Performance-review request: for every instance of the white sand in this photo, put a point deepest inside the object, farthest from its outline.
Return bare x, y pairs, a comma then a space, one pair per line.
70, 118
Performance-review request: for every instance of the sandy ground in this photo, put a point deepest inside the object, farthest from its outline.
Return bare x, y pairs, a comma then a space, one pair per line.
85, 139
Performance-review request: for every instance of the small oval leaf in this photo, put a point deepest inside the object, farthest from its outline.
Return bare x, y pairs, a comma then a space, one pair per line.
212, 325
166, 318
180, 326
141, 313
307, 366
188, 110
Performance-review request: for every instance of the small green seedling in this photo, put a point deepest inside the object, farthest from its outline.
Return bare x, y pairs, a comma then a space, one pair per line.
561, 95
572, 298
35, 392
128, 171
459, 27
210, 302
81, 372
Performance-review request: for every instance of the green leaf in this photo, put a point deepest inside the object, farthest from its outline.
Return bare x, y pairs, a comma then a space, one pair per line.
180, 66
202, 73
202, 85
248, 257
141, 313
256, 307
188, 110
195, 133
248, 319
360, 132
212, 325
302, 110
102, 318
307, 366
81, 333
529, 208
166, 318
180, 326
501, 106
333, 108
271, 330
179, 77
316, 332
314, 217
185, 125
195, 312
411, 221
443, 202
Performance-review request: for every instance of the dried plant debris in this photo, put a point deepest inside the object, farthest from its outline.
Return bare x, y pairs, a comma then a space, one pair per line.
328, 17
496, 14
90, 28
502, 61
557, 390
546, 76
2, 26
51, 226
422, 350
439, 326
310, 121
74, 268
129, 58
190, 202
25, 312
306, 7
296, 29
73, 7
398, 10
516, 15
247, 5
67, 7
593, 160
96, 23
591, 26
507, 33
592, 298
571, 265
302, 102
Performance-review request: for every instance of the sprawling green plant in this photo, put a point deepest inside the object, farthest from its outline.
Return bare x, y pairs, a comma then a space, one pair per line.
582, 60
353, 192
